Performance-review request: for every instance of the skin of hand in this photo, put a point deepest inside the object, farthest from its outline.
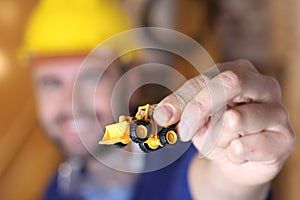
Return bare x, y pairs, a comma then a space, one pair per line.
255, 136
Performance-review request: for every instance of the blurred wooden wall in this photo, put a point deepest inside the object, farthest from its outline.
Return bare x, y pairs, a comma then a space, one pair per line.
28, 158
286, 50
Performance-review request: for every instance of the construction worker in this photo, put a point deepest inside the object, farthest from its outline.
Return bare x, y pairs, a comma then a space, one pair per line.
256, 139
59, 36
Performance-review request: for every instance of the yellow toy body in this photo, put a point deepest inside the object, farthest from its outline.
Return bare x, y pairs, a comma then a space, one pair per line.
141, 129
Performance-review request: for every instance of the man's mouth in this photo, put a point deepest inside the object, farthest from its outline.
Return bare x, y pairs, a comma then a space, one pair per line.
74, 127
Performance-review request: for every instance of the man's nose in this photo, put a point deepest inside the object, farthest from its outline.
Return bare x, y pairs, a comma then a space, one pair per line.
68, 100
82, 98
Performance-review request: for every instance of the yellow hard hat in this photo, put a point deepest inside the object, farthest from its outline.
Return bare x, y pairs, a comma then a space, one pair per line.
67, 27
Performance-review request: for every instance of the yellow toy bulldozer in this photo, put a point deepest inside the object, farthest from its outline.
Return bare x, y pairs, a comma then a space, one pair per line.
141, 129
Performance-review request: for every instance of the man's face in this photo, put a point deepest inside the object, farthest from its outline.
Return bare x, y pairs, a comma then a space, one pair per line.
54, 83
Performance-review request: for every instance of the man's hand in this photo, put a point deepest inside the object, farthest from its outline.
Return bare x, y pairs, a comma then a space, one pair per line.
239, 112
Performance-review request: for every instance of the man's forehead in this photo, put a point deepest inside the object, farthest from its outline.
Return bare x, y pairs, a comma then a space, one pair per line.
68, 62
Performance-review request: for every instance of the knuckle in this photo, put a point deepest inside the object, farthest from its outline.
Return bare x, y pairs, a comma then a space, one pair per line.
195, 84
201, 80
189, 90
237, 148
202, 104
231, 79
287, 139
233, 120
183, 97
274, 87
282, 113
180, 99
290, 139
245, 63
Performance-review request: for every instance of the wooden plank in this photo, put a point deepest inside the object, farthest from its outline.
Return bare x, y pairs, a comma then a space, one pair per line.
31, 169
12, 140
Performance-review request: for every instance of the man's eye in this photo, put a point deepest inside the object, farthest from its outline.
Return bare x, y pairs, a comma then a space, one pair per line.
89, 79
49, 84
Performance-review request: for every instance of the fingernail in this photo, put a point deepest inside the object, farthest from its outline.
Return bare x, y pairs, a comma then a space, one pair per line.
163, 114
184, 131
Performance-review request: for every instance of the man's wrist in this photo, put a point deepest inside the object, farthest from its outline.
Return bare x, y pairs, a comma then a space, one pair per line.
208, 182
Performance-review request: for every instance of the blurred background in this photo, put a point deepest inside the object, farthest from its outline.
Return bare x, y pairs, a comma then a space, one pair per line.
265, 32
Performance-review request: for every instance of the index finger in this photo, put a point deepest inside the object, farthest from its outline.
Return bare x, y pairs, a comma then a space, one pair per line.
201, 97
169, 110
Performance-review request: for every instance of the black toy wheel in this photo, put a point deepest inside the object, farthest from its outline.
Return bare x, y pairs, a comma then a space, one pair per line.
120, 145
168, 136
145, 147
140, 131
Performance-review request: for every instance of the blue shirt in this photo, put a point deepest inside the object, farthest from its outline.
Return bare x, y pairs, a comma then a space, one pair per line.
167, 183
